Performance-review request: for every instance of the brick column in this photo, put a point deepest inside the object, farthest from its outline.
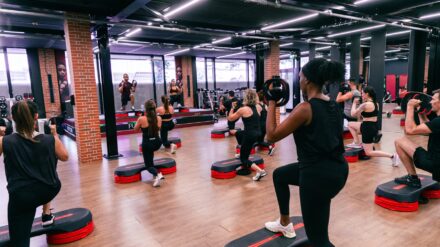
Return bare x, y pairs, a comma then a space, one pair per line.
47, 63
272, 66
86, 110
187, 70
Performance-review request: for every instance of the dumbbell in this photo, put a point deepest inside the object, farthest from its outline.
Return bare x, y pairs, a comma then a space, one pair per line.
425, 105
18, 97
48, 123
277, 89
5, 123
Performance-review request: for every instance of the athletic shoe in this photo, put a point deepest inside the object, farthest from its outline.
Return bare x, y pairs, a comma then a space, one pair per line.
160, 175
354, 145
409, 180
173, 148
132, 108
271, 150
237, 156
395, 160
275, 226
47, 219
259, 175
157, 180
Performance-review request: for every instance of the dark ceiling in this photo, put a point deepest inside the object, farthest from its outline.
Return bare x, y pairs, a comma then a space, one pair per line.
241, 24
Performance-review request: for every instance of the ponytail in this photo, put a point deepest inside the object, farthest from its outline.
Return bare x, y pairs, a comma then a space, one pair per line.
23, 114
150, 110
166, 103
371, 92
320, 71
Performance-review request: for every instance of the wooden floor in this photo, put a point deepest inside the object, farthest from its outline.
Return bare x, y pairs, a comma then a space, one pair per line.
192, 209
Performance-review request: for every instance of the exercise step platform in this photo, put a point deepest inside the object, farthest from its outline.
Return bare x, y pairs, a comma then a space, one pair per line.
266, 238
175, 140
355, 154
221, 133
237, 149
402, 122
226, 169
132, 173
346, 134
403, 198
70, 225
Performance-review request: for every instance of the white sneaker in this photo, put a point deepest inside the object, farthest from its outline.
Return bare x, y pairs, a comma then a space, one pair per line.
259, 175
395, 160
132, 108
237, 156
275, 226
271, 150
354, 145
157, 180
173, 148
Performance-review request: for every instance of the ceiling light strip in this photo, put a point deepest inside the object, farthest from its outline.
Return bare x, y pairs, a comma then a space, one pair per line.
177, 52
179, 9
356, 30
302, 18
233, 54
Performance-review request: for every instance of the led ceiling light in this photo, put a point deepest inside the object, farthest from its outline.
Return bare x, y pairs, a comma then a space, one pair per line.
423, 17
355, 31
393, 51
177, 52
323, 48
233, 54
360, 2
221, 40
179, 9
397, 33
131, 33
286, 44
302, 18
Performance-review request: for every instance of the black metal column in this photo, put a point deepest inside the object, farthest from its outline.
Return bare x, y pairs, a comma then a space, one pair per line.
213, 74
296, 94
107, 92
164, 77
247, 73
377, 68
335, 55
355, 56
312, 51
8, 73
36, 83
206, 74
416, 60
259, 68
154, 80
434, 63
98, 72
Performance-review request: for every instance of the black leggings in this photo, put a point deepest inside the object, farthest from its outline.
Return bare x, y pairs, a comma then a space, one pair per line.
174, 98
22, 205
318, 184
166, 126
148, 148
246, 139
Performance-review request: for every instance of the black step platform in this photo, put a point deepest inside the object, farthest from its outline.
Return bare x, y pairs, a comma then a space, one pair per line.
226, 169
175, 140
221, 133
132, 173
70, 225
400, 197
266, 238
355, 154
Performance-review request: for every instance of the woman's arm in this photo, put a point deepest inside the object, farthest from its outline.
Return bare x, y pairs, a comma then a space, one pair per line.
60, 150
138, 124
342, 98
235, 115
1, 145
355, 111
159, 122
301, 115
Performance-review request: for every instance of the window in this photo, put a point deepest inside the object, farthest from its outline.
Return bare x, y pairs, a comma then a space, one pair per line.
170, 69
251, 73
139, 69
159, 78
3, 80
304, 60
19, 69
231, 74
210, 75
286, 73
201, 75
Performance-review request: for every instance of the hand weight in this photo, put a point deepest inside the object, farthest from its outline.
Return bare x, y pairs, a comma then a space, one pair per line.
277, 89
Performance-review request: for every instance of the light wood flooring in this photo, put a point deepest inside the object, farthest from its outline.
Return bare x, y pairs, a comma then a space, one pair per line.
192, 209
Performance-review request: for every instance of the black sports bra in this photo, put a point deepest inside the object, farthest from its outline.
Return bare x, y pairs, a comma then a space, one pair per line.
166, 116
174, 90
373, 113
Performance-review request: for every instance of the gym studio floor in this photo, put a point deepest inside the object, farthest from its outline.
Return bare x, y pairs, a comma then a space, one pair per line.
192, 209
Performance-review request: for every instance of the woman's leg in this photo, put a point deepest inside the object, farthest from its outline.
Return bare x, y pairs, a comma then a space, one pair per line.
368, 148
354, 128
164, 134
282, 178
20, 218
148, 153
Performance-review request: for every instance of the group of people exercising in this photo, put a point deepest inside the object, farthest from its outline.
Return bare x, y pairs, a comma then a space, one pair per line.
316, 124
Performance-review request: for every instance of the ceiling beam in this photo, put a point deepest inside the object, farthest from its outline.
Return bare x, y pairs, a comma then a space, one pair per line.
130, 9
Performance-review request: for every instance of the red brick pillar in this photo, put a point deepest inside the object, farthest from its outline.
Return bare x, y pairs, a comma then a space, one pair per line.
187, 70
86, 110
272, 66
47, 63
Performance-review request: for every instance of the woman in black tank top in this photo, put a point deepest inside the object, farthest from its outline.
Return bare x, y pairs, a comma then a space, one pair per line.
30, 162
263, 117
321, 170
150, 125
250, 115
368, 128
165, 112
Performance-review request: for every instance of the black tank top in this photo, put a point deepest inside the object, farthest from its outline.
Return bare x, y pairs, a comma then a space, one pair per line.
373, 113
322, 139
263, 116
252, 123
146, 133
28, 162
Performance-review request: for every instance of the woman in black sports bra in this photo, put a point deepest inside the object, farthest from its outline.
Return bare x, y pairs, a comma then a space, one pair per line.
174, 92
368, 128
150, 125
166, 113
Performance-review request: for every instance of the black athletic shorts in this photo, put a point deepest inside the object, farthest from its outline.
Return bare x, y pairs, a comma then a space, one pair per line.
125, 99
423, 160
369, 131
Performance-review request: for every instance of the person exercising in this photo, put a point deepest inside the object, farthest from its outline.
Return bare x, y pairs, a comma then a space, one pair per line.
412, 155
368, 128
30, 162
321, 170
150, 124
230, 103
174, 92
346, 95
250, 115
263, 118
127, 90
165, 112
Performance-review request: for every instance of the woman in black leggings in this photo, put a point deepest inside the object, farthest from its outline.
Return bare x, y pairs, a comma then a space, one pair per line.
250, 115
30, 163
165, 112
150, 124
321, 170
263, 118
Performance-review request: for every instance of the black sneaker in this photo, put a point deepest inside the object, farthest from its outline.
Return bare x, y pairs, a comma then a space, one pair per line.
47, 219
409, 180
